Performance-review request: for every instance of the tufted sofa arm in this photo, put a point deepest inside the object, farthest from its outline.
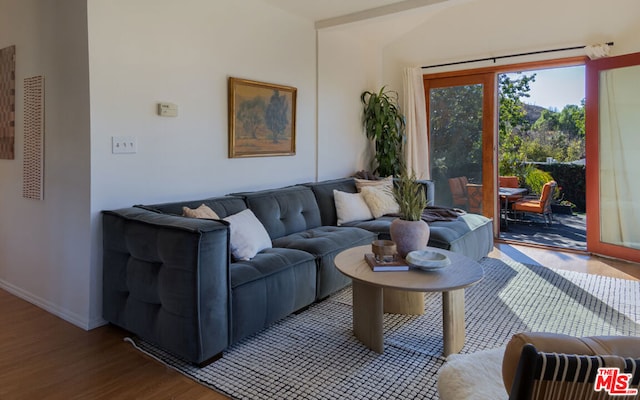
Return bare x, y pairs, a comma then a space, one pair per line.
166, 279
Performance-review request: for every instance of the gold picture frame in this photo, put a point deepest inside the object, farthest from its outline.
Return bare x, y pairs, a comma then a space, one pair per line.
262, 119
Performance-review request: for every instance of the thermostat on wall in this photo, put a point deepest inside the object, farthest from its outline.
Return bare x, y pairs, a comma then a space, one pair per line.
167, 110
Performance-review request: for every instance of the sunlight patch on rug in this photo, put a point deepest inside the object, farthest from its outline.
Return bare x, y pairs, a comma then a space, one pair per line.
588, 302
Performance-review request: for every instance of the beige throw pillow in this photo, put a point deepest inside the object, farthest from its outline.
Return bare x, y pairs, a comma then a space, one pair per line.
386, 182
380, 200
203, 211
350, 207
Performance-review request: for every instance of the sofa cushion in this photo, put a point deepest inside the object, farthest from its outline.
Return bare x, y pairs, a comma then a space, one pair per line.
379, 226
272, 285
325, 243
350, 207
470, 234
247, 236
284, 211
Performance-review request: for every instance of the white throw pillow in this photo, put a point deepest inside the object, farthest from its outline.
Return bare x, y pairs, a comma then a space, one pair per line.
380, 200
248, 235
351, 207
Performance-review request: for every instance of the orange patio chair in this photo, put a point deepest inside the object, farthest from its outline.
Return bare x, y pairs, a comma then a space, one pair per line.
458, 188
540, 206
474, 198
509, 181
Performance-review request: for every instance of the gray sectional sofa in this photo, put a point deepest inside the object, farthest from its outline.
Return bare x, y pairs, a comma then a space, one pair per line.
172, 280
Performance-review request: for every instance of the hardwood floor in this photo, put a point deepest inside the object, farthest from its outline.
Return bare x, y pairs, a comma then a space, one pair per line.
570, 260
44, 357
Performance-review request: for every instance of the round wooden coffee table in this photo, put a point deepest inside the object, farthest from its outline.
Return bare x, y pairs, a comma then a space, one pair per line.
375, 293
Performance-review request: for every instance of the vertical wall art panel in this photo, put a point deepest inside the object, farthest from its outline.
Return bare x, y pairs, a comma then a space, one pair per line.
33, 165
7, 102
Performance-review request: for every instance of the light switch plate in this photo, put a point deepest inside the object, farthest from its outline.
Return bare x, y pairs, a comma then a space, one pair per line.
124, 144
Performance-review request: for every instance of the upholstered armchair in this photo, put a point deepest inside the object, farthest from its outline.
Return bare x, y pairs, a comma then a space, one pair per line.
547, 366
538, 206
541, 366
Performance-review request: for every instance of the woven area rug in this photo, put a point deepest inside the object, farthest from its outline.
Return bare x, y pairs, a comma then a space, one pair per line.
314, 355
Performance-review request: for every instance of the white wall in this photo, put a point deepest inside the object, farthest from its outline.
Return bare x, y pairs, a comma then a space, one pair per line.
45, 244
146, 51
346, 67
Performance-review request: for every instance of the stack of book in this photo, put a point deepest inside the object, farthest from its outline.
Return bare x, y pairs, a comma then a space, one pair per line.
382, 266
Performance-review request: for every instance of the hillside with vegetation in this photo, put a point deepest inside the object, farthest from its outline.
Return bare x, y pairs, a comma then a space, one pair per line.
530, 133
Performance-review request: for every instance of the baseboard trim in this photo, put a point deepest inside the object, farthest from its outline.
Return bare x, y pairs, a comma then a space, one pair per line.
71, 317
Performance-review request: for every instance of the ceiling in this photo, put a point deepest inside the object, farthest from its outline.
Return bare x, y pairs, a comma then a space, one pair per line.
327, 13
318, 10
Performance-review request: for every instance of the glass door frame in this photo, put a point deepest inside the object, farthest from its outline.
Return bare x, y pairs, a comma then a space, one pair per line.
491, 115
592, 125
488, 81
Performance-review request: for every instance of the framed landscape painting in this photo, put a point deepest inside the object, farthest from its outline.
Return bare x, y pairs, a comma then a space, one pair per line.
262, 119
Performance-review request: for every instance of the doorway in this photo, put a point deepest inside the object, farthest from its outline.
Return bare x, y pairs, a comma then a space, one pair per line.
462, 136
542, 139
606, 82
463, 125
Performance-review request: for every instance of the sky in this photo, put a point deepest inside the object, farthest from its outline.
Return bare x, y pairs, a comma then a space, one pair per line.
556, 87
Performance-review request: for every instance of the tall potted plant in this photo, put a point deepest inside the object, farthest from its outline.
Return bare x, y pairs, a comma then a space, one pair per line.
409, 232
384, 124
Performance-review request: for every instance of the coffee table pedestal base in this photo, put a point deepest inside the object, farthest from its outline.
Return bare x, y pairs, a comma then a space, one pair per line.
369, 306
367, 315
402, 302
453, 321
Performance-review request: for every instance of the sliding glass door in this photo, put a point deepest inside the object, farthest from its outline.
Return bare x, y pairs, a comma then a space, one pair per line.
613, 156
461, 123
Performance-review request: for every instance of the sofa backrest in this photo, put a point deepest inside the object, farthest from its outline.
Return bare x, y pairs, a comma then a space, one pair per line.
324, 196
285, 210
223, 206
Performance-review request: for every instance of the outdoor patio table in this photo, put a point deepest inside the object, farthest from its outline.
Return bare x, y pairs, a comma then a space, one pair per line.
506, 194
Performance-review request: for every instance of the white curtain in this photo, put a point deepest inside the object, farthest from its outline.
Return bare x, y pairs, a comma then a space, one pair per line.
620, 157
417, 145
